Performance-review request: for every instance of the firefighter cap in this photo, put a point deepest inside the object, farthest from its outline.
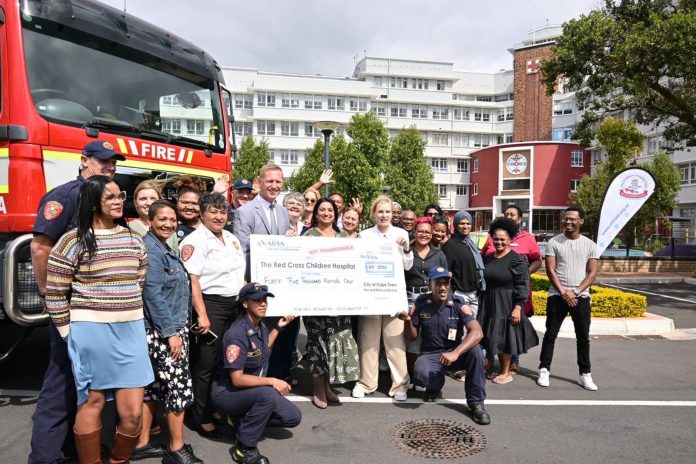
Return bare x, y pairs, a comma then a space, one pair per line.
243, 184
101, 150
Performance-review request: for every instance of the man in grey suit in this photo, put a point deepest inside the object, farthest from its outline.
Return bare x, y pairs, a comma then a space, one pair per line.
265, 216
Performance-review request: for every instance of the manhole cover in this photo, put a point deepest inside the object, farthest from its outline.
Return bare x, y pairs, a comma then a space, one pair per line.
437, 438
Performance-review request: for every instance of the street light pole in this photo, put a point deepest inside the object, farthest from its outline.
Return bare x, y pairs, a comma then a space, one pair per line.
327, 128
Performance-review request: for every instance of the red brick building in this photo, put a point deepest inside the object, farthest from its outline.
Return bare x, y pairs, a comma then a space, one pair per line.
536, 176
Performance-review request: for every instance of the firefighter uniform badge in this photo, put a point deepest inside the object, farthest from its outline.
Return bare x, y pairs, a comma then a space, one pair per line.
108, 146
232, 353
52, 210
187, 252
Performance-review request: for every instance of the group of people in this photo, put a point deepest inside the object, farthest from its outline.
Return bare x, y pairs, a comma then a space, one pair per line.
163, 310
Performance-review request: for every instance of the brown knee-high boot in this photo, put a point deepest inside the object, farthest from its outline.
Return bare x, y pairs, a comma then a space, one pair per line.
88, 446
123, 446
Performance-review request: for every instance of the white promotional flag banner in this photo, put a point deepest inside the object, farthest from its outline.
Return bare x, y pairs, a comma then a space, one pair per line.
629, 190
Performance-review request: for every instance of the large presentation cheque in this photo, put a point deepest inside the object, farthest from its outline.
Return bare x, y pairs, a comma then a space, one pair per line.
329, 276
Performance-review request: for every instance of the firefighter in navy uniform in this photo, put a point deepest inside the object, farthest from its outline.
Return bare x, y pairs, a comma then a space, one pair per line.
442, 318
240, 389
242, 193
52, 432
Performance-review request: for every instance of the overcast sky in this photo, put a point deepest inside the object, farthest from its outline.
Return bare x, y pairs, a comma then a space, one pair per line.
326, 36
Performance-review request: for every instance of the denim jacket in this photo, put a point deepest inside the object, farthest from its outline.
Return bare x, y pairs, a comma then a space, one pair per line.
167, 291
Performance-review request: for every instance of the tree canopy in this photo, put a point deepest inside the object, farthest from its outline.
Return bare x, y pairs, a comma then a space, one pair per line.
252, 157
637, 55
622, 141
370, 162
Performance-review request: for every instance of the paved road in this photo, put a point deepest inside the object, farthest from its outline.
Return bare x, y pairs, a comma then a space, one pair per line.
643, 413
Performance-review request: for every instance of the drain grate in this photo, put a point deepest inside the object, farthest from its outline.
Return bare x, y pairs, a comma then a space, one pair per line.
437, 438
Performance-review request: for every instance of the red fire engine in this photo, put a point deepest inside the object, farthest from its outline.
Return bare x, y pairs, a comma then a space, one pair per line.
72, 71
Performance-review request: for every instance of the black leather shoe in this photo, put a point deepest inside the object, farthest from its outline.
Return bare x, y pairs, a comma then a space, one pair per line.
247, 456
480, 415
181, 456
151, 450
432, 396
212, 434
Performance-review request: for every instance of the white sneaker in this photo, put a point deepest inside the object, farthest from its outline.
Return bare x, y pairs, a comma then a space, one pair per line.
585, 381
543, 380
400, 394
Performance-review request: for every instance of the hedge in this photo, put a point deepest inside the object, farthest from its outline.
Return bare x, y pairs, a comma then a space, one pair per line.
606, 302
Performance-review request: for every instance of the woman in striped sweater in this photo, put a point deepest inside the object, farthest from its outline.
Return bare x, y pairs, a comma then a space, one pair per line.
94, 296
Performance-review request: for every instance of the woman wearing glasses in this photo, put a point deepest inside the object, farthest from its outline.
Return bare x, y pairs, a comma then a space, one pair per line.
241, 389
311, 196
296, 206
93, 294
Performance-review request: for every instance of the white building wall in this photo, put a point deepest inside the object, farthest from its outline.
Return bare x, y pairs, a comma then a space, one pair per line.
456, 112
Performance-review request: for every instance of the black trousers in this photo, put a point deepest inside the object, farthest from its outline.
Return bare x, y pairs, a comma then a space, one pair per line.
556, 312
258, 408
205, 357
52, 433
280, 362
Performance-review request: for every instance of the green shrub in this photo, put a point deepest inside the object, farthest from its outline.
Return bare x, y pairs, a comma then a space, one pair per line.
606, 302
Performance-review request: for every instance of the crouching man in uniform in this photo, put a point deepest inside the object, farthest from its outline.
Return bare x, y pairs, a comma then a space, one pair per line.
441, 317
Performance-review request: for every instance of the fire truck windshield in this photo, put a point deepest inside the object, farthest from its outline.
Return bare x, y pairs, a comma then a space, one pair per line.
83, 80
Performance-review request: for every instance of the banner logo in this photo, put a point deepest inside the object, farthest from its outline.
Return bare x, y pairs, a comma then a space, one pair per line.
634, 186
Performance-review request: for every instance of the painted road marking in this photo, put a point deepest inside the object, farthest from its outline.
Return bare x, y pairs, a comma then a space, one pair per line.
650, 293
348, 399
382, 400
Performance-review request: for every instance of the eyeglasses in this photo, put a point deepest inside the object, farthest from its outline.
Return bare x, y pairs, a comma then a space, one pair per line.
310, 200
111, 198
424, 233
432, 214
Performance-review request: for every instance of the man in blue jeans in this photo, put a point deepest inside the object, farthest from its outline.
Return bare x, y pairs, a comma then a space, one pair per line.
571, 264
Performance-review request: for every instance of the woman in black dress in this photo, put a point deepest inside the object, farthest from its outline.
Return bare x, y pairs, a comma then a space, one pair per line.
506, 329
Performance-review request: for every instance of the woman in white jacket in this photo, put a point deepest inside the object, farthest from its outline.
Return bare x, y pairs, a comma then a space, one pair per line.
390, 327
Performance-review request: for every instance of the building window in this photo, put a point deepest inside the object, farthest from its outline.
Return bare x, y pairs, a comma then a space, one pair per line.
265, 99
463, 166
420, 84
461, 114
337, 103
508, 138
397, 110
462, 190
195, 127
265, 127
687, 173
288, 156
562, 108
243, 129
440, 112
476, 164
399, 82
243, 101
562, 134
288, 128
170, 100
380, 109
438, 165
439, 139
171, 126
377, 81
574, 184
576, 157
290, 100
442, 191
687, 212
484, 98
419, 111
440, 86
475, 189
312, 102
310, 130
509, 113
358, 104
